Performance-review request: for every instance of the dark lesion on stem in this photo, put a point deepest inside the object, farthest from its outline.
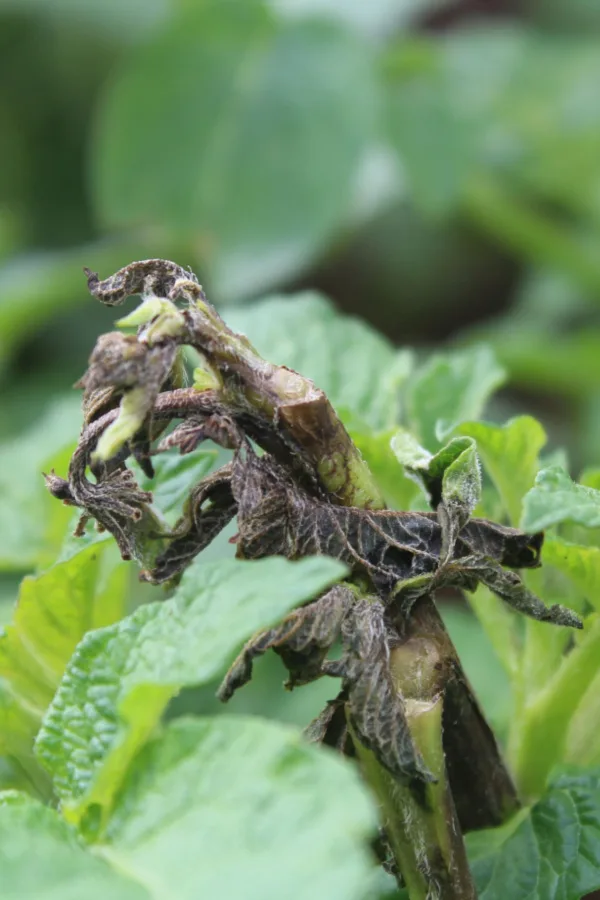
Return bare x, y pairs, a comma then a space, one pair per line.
310, 492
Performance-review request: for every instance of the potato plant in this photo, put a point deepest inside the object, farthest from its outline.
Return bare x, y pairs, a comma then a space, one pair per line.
361, 482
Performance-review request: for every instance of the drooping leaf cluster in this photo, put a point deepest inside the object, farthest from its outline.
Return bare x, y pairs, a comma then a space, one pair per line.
98, 684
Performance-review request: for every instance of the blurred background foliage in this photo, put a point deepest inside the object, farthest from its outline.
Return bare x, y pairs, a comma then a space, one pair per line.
431, 165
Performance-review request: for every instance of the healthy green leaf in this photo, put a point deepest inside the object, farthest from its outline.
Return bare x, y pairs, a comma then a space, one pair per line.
500, 626
32, 524
482, 668
53, 612
37, 286
125, 21
241, 808
510, 455
357, 367
417, 108
400, 491
550, 852
269, 98
582, 745
581, 564
556, 498
501, 98
450, 388
173, 478
42, 857
374, 19
541, 736
120, 679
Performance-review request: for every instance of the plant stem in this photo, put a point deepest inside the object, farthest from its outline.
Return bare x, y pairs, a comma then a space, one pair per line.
431, 848
288, 416
424, 825
544, 721
523, 228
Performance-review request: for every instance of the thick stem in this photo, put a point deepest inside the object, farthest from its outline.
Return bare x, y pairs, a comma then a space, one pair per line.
432, 846
483, 790
288, 414
425, 832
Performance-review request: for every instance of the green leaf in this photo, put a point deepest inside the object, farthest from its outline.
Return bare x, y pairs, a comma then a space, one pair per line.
174, 475
269, 98
436, 145
375, 20
120, 679
510, 455
564, 364
400, 491
582, 745
556, 498
451, 475
357, 367
53, 612
235, 807
32, 523
500, 626
125, 21
482, 668
461, 481
42, 857
450, 388
497, 98
550, 852
541, 734
37, 286
581, 564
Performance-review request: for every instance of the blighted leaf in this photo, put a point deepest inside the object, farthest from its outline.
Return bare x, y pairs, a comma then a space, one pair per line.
357, 367
31, 524
510, 455
120, 678
42, 857
269, 98
550, 852
234, 807
449, 389
53, 611
555, 498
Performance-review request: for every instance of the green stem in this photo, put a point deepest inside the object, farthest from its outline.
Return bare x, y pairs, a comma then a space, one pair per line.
425, 828
530, 233
421, 820
541, 732
288, 411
